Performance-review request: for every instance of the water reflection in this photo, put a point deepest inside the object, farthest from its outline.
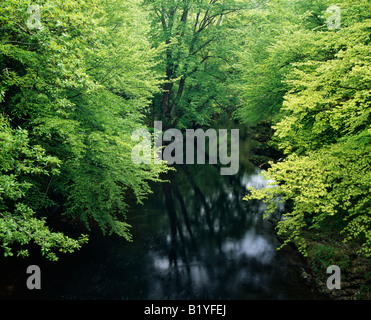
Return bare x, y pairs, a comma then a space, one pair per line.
217, 244
194, 238
251, 246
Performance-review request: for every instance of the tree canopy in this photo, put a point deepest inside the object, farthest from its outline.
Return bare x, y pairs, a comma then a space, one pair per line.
77, 85
77, 78
323, 126
199, 41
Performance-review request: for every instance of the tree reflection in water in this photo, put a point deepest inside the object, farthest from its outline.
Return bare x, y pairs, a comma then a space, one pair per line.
194, 238
217, 244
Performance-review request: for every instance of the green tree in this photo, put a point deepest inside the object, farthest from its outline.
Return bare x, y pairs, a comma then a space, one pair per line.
325, 131
198, 41
276, 34
79, 86
20, 166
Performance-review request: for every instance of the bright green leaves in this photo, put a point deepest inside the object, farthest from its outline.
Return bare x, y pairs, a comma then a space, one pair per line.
329, 98
270, 42
198, 41
19, 162
46, 66
23, 228
78, 86
334, 181
324, 128
16, 156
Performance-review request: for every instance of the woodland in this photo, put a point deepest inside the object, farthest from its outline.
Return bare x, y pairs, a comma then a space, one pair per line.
78, 77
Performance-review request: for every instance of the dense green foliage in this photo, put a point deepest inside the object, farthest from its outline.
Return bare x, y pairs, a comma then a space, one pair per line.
324, 128
19, 164
78, 80
77, 87
200, 41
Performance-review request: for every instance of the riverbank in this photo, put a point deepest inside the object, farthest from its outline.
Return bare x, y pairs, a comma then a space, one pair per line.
321, 253
324, 251
323, 248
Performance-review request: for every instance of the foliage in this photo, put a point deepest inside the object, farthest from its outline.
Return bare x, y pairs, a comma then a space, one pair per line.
277, 35
18, 222
324, 128
79, 86
199, 40
325, 255
73, 90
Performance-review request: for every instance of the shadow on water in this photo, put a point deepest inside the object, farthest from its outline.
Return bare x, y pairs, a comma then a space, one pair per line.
194, 238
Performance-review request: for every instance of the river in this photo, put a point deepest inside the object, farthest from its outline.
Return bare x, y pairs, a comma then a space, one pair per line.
194, 238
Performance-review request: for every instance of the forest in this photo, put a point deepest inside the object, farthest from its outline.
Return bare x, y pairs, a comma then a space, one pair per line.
77, 78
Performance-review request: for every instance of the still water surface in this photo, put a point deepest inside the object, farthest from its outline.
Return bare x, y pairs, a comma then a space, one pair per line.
194, 238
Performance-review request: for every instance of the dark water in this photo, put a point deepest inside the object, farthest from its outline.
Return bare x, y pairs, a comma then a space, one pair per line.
194, 238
